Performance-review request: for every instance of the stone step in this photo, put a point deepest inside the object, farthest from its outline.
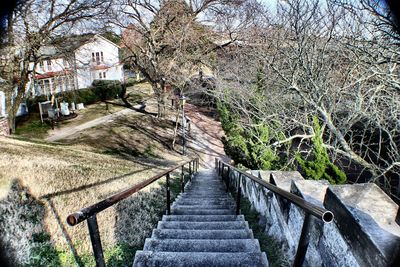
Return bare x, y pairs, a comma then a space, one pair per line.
205, 193
188, 201
203, 218
205, 206
186, 211
202, 234
203, 225
202, 245
195, 197
208, 195
199, 259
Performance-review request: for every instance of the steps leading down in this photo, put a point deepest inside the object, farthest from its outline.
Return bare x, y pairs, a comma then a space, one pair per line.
203, 230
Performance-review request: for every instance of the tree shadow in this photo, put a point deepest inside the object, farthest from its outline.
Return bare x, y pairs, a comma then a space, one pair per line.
24, 237
137, 217
84, 187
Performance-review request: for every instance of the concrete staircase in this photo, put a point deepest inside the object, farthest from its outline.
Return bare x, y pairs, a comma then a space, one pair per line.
203, 230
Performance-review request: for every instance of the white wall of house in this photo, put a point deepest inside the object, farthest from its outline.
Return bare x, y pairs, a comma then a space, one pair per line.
97, 60
51, 65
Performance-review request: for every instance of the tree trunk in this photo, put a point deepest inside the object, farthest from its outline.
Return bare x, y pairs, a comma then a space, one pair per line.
162, 95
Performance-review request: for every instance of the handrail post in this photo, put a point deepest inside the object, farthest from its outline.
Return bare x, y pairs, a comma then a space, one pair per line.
183, 180
303, 241
239, 192
227, 179
168, 197
96, 241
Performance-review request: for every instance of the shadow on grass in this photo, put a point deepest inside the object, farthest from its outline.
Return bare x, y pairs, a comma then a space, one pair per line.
137, 217
84, 187
25, 241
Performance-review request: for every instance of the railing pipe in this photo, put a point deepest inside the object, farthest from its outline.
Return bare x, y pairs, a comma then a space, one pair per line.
303, 241
96, 241
89, 213
239, 193
319, 212
182, 180
168, 196
79, 216
227, 178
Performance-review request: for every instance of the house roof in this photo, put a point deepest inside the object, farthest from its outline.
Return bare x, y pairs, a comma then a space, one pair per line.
51, 74
62, 46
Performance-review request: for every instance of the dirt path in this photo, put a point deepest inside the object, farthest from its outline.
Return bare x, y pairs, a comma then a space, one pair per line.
63, 133
205, 136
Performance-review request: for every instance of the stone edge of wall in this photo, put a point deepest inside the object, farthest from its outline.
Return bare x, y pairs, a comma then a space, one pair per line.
349, 241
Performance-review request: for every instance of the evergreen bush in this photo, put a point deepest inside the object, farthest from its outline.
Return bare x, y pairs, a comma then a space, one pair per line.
321, 166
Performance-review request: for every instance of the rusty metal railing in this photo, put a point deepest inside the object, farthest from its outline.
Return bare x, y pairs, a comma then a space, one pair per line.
326, 216
89, 213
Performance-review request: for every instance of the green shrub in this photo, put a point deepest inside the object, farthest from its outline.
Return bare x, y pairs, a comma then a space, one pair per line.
131, 82
35, 129
33, 103
321, 166
248, 147
262, 156
100, 91
106, 89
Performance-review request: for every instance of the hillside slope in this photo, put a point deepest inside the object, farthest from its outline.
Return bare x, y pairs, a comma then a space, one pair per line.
65, 178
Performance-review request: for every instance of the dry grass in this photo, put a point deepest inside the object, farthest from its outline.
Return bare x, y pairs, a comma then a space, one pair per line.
87, 167
67, 178
133, 134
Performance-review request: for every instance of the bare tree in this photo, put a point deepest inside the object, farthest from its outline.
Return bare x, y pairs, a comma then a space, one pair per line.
171, 41
31, 26
318, 60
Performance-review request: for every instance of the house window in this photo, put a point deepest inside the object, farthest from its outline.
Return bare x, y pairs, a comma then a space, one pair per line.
99, 75
104, 75
98, 58
49, 64
41, 65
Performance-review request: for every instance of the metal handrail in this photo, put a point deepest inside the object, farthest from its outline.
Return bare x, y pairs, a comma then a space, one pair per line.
310, 209
319, 212
89, 213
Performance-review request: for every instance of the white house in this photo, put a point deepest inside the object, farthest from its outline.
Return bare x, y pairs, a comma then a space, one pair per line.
74, 63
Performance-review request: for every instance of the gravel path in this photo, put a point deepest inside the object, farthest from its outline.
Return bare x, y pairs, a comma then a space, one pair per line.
205, 136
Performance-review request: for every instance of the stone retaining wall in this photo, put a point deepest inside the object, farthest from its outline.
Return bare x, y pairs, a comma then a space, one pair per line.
4, 128
364, 231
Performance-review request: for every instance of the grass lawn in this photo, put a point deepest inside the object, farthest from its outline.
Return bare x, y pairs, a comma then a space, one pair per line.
65, 178
42, 182
31, 126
